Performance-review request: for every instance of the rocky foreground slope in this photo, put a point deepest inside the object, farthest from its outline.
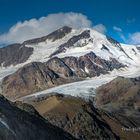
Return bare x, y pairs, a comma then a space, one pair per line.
75, 116
26, 124
121, 97
116, 115
121, 92
113, 114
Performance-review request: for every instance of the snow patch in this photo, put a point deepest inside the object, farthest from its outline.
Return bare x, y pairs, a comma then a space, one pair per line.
86, 70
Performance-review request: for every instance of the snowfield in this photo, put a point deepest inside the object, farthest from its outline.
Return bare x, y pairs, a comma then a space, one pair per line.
43, 50
85, 89
6, 71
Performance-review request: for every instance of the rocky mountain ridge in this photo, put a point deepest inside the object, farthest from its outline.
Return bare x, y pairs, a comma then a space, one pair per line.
39, 76
76, 116
66, 55
18, 124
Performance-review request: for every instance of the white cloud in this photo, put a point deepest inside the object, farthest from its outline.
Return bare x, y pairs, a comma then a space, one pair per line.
100, 28
39, 27
134, 38
123, 37
132, 20
120, 33
117, 29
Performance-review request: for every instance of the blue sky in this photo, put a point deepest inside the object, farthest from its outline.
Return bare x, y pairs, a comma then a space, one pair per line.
120, 17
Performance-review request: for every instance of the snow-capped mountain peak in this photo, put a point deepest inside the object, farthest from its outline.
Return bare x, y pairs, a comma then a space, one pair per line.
80, 42
67, 53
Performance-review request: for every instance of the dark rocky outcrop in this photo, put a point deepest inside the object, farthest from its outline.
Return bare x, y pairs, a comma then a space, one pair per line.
113, 42
14, 54
70, 43
58, 34
17, 124
91, 65
104, 48
118, 45
58, 66
138, 48
31, 78
18, 53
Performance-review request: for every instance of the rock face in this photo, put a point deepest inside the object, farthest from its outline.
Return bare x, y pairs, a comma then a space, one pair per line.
14, 54
121, 98
58, 34
124, 126
62, 40
82, 120
91, 65
18, 53
138, 48
32, 77
58, 66
38, 76
72, 41
125, 91
75, 116
17, 124
118, 45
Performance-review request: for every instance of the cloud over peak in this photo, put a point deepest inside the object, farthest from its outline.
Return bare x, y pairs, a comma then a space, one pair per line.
100, 28
117, 29
39, 27
134, 38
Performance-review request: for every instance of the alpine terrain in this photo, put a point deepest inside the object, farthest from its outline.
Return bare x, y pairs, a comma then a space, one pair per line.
83, 85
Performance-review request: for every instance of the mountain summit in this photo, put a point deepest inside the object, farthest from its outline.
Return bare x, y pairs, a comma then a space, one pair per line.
65, 55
